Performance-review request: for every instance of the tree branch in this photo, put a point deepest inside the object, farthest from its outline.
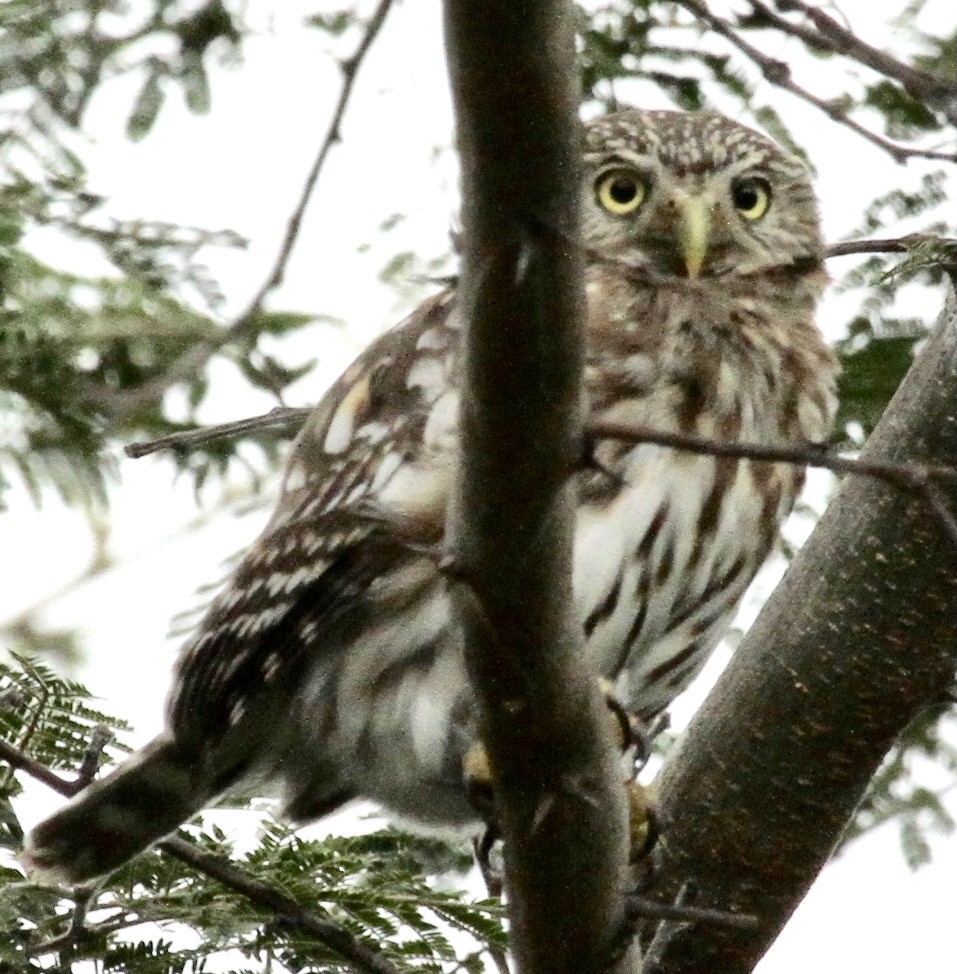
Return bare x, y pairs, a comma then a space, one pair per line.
920, 85
279, 418
125, 404
288, 911
559, 802
779, 74
859, 637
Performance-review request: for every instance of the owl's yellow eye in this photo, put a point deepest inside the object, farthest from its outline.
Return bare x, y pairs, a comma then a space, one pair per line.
621, 191
751, 197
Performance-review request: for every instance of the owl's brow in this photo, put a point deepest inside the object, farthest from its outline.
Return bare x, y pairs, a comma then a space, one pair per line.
620, 156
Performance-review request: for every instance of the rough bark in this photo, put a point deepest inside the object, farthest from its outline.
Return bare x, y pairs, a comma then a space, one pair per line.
559, 799
860, 636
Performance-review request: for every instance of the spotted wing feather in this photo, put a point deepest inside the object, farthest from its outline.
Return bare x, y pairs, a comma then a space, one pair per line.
310, 563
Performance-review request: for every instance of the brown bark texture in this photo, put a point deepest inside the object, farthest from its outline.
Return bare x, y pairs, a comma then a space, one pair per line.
858, 639
559, 799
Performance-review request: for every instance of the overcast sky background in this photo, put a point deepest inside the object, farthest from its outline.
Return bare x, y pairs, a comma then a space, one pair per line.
242, 167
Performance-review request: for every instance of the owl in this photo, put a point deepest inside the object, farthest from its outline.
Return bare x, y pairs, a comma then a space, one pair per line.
330, 667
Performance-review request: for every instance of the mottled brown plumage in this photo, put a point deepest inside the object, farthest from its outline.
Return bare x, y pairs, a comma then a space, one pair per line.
330, 666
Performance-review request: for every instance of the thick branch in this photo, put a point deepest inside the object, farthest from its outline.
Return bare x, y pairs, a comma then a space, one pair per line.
859, 637
559, 800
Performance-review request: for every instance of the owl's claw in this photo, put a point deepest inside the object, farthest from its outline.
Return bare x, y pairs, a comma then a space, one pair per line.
632, 736
483, 845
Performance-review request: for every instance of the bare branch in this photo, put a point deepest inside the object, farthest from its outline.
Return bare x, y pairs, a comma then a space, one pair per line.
920, 478
892, 245
645, 909
21, 761
911, 476
278, 418
186, 366
559, 802
779, 74
287, 910
920, 85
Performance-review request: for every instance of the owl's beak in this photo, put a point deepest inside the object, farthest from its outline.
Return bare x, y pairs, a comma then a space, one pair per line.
694, 231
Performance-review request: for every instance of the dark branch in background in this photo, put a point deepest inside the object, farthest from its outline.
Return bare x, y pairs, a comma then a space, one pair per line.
287, 911
857, 640
185, 367
892, 245
778, 73
560, 804
921, 478
924, 87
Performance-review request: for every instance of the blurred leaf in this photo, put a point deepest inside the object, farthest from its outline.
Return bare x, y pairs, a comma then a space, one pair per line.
147, 105
870, 377
903, 116
335, 23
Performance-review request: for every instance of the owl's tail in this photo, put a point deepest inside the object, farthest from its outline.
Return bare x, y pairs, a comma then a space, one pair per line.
113, 819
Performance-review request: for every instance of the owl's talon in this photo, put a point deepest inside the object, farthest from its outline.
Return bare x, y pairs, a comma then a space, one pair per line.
477, 778
589, 461
643, 825
482, 846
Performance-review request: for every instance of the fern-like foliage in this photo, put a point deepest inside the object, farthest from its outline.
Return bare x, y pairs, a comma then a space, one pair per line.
394, 892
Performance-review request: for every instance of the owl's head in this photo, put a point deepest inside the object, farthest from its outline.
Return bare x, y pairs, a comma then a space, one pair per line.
683, 194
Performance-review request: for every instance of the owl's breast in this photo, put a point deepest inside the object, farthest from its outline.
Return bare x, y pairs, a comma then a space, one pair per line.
660, 567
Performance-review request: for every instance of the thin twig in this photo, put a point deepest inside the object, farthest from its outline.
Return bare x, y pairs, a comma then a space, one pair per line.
77, 928
762, 16
494, 886
99, 930
664, 932
918, 478
914, 477
893, 245
279, 417
779, 74
910, 477
640, 908
195, 358
22, 761
287, 416
289, 912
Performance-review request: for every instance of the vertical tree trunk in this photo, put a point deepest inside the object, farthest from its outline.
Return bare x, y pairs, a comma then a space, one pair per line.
559, 798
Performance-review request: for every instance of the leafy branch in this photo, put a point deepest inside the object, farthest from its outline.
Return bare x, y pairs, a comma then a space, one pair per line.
778, 73
833, 37
129, 402
368, 885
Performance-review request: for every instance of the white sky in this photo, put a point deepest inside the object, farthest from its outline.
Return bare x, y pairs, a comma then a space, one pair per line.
242, 167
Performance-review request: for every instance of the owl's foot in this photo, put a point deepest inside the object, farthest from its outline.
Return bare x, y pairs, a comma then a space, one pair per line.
634, 741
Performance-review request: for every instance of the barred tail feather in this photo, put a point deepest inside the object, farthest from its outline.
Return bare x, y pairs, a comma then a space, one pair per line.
115, 818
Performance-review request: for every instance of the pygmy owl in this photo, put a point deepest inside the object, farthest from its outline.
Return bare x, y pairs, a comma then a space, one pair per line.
330, 666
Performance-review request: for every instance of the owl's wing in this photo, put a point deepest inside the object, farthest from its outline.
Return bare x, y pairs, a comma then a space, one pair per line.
368, 478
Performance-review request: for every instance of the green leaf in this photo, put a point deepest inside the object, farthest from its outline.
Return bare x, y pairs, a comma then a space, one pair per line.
147, 105
870, 377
